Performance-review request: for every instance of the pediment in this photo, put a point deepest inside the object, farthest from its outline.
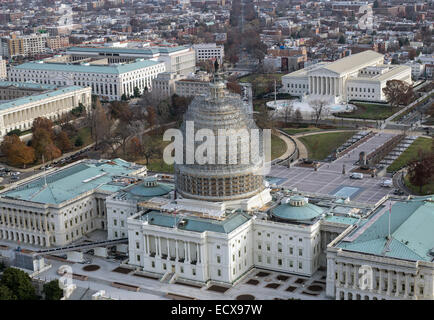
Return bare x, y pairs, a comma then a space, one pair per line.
323, 72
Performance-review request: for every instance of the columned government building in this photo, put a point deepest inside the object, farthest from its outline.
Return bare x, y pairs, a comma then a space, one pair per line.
32, 100
360, 76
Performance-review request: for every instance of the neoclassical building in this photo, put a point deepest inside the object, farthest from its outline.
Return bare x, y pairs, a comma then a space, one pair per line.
36, 100
107, 80
65, 205
360, 76
393, 251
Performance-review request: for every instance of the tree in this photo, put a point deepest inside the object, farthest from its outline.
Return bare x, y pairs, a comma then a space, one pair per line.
136, 92
151, 147
287, 111
319, 108
342, 39
16, 132
16, 151
6, 294
52, 291
19, 283
398, 92
151, 116
100, 125
62, 142
298, 117
78, 141
421, 171
44, 146
43, 123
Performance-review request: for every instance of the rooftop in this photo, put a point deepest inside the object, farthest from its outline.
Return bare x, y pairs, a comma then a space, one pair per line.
27, 85
71, 182
411, 225
32, 98
139, 51
196, 224
91, 68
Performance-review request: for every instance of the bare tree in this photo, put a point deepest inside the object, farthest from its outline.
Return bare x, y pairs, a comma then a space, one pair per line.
319, 108
287, 111
298, 117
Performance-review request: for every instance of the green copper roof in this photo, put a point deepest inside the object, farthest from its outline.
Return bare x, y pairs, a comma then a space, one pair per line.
32, 98
141, 192
196, 224
305, 212
66, 184
107, 69
27, 85
138, 51
411, 229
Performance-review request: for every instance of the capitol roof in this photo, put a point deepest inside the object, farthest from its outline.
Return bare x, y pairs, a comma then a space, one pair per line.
196, 224
411, 230
297, 208
72, 181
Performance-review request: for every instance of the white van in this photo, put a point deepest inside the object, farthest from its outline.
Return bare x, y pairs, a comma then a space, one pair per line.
388, 183
356, 175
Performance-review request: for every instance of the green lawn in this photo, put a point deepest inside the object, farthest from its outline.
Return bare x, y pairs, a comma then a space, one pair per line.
292, 131
369, 111
319, 146
278, 147
411, 153
426, 189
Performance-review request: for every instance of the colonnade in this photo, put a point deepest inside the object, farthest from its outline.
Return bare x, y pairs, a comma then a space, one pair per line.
323, 85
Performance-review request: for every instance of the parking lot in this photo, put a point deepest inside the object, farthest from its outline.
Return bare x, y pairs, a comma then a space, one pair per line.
329, 182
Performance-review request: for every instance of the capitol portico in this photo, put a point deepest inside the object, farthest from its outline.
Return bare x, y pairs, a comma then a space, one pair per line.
360, 76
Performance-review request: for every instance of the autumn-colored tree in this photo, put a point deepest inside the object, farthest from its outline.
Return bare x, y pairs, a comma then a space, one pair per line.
120, 110
421, 171
135, 147
100, 125
43, 123
398, 92
62, 142
16, 151
44, 145
233, 86
151, 116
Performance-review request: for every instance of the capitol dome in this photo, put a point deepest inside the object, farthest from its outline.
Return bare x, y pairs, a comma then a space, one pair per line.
296, 208
230, 177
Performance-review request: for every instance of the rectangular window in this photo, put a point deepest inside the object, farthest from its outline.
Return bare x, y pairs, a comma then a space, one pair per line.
218, 259
300, 265
300, 252
259, 258
279, 262
219, 273
138, 257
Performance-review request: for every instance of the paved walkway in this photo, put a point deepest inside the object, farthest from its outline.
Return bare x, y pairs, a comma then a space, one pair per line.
290, 147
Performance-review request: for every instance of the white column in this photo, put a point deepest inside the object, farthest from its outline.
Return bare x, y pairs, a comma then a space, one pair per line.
176, 250
159, 246
389, 282
380, 282
356, 277
147, 244
168, 248
407, 285
198, 253
398, 284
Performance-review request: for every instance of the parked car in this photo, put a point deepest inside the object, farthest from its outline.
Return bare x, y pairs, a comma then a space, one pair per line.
398, 192
388, 183
356, 175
